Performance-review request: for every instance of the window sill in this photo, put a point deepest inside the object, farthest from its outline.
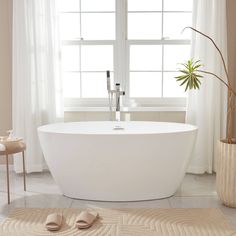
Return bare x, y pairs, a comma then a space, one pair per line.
126, 109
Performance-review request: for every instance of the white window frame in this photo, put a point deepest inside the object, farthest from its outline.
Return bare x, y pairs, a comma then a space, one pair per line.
121, 46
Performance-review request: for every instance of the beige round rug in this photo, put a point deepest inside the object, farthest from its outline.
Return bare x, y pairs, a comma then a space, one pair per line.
122, 222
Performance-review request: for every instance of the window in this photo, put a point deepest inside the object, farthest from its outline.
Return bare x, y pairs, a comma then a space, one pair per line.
139, 41
87, 31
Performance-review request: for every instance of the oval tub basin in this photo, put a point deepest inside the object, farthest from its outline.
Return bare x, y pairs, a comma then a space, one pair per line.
117, 161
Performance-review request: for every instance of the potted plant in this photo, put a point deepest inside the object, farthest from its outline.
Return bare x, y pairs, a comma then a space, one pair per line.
190, 77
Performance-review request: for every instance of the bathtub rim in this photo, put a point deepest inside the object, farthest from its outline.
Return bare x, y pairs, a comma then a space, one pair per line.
44, 128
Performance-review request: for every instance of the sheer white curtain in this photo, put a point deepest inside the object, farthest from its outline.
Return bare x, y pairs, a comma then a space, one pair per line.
37, 91
207, 107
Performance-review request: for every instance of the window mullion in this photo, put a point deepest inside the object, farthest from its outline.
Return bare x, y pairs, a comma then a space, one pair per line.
80, 51
162, 48
120, 55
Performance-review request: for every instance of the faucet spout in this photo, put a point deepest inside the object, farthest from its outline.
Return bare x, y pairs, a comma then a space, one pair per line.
118, 93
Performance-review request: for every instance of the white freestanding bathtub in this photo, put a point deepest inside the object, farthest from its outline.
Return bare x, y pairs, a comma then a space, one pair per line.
92, 160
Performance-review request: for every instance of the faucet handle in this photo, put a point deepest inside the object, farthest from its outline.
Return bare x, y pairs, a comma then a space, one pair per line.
117, 86
122, 93
108, 81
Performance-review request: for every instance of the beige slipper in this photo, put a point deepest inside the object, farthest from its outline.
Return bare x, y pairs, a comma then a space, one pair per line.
86, 219
53, 222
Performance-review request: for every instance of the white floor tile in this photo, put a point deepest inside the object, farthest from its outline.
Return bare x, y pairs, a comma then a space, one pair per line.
139, 204
197, 185
203, 202
33, 201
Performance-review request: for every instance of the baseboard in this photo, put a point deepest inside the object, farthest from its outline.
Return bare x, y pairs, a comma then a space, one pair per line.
3, 167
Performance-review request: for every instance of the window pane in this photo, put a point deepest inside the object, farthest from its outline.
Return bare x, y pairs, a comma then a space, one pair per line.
97, 57
69, 26
145, 57
94, 85
175, 54
98, 26
70, 58
174, 23
144, 25
145, 84
97, 5
170, 86
68, 5
144, 5
180, 5
71, 84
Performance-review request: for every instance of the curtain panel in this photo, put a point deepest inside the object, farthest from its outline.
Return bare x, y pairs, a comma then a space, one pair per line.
207, 107
37, 88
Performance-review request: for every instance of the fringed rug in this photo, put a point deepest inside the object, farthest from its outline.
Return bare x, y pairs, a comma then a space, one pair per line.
122, 222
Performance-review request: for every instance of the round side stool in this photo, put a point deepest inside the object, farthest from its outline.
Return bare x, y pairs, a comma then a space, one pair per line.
12, 146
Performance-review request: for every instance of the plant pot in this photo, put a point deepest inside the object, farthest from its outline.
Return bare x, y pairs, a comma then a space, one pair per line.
226, 173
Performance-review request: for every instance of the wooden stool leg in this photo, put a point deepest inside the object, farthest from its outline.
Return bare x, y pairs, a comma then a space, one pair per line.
8, 184
23, 155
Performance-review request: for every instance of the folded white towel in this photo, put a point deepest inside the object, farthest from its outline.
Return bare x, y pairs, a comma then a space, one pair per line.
2, 147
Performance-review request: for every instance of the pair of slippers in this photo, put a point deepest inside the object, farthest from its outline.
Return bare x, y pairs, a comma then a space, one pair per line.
84, 220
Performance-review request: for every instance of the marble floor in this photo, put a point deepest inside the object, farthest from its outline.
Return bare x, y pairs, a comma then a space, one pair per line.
196, 191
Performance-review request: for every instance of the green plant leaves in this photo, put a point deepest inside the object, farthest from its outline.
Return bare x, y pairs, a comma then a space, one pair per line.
189, 76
